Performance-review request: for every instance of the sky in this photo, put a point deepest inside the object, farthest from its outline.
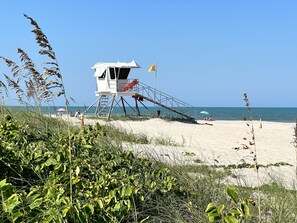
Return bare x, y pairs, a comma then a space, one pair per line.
208, 52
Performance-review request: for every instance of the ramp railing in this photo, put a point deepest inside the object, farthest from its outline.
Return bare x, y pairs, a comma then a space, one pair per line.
162, 99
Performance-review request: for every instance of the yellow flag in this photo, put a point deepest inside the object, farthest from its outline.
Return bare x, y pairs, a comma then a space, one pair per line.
152, 68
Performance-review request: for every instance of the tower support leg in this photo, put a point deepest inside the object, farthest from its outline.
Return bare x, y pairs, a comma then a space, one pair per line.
90, 106
111, 108
129, 105
124, 108
137, 108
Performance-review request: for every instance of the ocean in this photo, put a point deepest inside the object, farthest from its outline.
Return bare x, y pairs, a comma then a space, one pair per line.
265, 114
216, 113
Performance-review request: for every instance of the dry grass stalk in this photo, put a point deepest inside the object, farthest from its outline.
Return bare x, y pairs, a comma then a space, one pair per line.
54, 80
40, 86
252, 145
15, 86
295, 145
3, 87
14, 67
51, 68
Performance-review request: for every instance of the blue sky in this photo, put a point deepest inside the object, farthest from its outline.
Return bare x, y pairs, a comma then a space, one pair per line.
208, 53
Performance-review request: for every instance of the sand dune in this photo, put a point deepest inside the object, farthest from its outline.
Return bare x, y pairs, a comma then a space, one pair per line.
216, 145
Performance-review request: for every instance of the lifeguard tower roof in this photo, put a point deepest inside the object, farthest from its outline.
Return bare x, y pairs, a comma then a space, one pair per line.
104, 65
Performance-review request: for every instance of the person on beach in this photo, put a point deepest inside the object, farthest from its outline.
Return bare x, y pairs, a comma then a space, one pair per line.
59, 114
77, 113
158, 113
207, 118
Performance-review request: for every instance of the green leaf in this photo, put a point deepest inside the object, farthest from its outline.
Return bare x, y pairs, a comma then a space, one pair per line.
36, 203
77, 170
169, 186
231, 219
210, 208
3, 183
49, 219
128, 204
232, 193
142, 198
50, 161
57, 166
91, 208
100, 203
111, 194
153, 184
135, 190
235, 211
122, 192
246, 210
33, 196
221, 208
213, 217
33, 190
117, 206
75, 180
65, 210
10, 203
16, 215
128, 191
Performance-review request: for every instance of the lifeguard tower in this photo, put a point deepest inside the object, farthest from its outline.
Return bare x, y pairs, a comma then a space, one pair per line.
113, 86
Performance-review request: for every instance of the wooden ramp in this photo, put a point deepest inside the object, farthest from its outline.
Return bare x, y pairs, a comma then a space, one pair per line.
166, 107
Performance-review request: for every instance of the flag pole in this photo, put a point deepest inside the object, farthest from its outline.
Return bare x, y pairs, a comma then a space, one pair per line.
154, 68
155, 79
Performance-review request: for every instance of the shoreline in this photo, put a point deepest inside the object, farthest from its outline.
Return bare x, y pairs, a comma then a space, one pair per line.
271, 114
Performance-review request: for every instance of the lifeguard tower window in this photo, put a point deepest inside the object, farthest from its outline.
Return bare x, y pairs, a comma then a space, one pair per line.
111, 71
103, 75
124, 72
121, 73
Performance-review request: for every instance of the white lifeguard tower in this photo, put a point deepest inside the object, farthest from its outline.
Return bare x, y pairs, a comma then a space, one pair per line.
112, 78
112, 82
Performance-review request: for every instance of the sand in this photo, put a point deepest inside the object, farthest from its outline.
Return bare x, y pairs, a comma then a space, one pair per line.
216, 143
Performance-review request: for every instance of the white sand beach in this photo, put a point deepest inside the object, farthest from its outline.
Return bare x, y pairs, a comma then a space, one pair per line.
216, 143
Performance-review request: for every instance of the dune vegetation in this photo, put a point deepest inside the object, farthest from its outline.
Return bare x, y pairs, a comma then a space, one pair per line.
49, 175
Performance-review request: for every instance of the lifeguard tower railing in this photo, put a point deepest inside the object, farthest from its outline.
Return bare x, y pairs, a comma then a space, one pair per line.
164, 100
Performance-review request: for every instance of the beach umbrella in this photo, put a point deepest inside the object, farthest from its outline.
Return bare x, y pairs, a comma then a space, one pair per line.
61, 109
204, 112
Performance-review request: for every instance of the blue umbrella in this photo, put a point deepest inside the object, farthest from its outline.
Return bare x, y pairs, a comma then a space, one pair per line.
204, 112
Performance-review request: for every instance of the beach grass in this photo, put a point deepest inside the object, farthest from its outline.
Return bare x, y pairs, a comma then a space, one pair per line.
35, 121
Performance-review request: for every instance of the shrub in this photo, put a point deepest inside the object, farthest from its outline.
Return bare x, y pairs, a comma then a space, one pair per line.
108, 184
